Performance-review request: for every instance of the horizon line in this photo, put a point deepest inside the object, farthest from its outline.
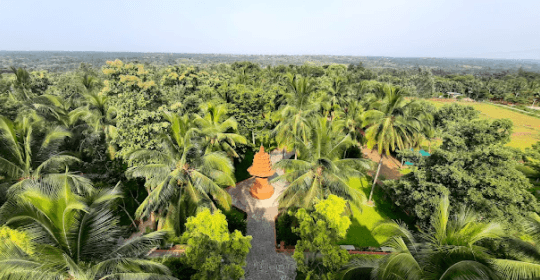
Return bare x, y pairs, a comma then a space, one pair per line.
239, 54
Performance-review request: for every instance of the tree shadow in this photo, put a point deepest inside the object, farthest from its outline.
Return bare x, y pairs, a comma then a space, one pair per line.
241, 166
360, 235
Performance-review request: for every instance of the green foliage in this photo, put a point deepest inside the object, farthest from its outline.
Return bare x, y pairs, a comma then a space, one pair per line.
27, 154
180, 176
454, 112
449, 249
321, 170
236, 220
137, 101
533, 157
392, 123
178, 267
18, 238
157, 122
468, 150
218, 130
74, 236
285, 224
365, 219
319, 233
212, 250
241, 165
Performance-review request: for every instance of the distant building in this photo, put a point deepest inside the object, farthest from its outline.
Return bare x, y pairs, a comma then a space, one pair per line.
454, 94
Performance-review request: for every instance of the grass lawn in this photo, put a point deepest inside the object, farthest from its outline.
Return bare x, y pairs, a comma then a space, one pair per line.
359, 233
526, 128
405, 171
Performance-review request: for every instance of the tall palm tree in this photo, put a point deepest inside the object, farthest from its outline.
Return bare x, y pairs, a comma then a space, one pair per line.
420, 115
337, 92
61, 110
220, 133
88, 82
352, 114
293, 128
22, 84
24, 155
526, 253
180, 176
387, 125
101, 117
321, 171
450, 249
74, 237
299, 93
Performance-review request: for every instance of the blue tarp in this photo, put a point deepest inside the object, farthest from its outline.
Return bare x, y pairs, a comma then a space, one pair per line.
422, 152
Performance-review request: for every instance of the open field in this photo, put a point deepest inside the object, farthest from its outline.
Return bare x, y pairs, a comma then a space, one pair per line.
363, 222
526, 128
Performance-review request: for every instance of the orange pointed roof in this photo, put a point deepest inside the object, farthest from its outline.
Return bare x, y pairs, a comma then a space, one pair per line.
261, 167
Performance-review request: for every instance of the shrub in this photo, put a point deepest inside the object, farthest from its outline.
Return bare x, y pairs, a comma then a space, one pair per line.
284, 225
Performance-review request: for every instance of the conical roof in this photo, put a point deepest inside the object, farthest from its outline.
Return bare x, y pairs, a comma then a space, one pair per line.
261, 167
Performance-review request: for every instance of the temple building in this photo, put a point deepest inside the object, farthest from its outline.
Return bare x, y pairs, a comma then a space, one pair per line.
261, 169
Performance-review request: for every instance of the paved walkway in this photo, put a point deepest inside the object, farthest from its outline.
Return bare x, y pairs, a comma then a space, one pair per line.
263, 262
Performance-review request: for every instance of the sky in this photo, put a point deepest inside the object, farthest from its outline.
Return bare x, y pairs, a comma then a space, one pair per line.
413, 28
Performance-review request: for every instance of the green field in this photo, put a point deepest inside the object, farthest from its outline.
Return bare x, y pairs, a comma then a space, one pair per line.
526, 128
363, 222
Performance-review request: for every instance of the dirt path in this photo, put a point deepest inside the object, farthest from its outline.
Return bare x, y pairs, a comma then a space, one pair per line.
389, 168
263, 262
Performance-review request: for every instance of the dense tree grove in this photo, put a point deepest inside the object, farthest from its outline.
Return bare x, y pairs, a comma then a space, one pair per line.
473, 168
99, 166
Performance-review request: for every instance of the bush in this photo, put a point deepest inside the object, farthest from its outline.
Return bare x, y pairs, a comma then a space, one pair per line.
178, 267
284, 225
237, 220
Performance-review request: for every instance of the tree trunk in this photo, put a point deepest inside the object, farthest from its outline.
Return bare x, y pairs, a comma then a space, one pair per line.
375, 179
153, 220
253, 137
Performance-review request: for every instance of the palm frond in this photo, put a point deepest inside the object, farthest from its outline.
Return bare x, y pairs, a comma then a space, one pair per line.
514, 270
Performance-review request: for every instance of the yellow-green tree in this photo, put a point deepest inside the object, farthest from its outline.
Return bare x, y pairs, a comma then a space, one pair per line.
212, 250
317, 254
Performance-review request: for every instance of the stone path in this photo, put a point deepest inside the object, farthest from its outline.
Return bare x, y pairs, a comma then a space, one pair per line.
263, 262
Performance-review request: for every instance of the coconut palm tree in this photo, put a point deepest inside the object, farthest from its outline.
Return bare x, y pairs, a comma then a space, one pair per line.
336, 92
220, 133
293, 126
526, 254
321, 170
180, 176
352, 114
22, 84
25, 154
101, 117
74, 237
420, 114
89, 82
61, 110
450, 249
387, 125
